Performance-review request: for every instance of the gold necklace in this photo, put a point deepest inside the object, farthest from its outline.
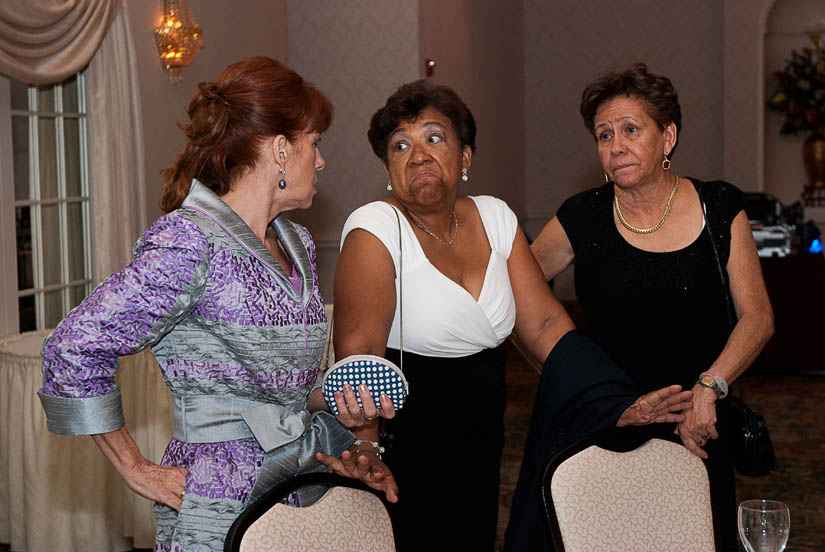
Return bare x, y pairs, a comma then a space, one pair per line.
658, 224
427, 230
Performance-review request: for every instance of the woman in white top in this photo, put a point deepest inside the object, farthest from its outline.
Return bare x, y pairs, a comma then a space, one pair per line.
468, 280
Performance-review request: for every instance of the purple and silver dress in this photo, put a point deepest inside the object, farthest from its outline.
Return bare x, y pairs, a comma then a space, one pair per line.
240, 346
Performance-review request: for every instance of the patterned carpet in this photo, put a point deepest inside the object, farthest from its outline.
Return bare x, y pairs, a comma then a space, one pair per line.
791, 404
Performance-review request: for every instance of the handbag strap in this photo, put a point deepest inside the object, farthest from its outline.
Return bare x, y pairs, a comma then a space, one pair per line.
725, 289
400, 290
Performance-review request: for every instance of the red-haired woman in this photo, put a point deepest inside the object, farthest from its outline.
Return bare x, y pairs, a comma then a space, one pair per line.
224, 289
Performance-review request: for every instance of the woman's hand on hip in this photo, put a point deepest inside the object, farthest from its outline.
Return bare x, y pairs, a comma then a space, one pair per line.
351, 415
364, 465
162, 484
699, 425
662, 405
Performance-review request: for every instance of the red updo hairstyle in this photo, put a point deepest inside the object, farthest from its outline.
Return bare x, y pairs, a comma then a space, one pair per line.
253, 99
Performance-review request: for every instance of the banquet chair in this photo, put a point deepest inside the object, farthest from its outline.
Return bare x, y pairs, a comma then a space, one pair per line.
605, 494
350, 516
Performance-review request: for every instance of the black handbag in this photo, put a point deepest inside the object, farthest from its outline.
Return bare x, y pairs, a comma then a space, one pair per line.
751, 443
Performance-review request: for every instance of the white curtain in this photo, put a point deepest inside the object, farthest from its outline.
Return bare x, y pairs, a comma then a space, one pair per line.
116, 150
119, 216
46, 41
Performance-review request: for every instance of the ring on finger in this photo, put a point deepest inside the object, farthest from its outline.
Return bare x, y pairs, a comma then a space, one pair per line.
370, 418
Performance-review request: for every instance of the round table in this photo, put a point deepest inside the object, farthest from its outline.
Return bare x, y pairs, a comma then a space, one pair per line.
59, 492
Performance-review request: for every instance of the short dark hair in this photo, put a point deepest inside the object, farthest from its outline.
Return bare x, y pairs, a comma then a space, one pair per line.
408, 102
655, 91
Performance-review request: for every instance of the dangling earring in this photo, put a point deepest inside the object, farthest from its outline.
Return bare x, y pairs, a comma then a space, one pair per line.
282, 181
389, 185
464, 176
606, 178
666, 163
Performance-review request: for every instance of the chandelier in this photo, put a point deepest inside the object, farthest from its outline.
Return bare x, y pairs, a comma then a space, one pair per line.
178, 38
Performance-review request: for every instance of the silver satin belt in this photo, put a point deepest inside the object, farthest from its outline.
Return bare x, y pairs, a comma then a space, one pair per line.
215, 418
289, 439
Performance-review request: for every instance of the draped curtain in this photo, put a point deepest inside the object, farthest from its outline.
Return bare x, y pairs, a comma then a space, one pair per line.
116, 149
45, 41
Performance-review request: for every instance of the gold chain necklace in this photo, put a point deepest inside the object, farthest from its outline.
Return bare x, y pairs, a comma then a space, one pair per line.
658, 224
427, 230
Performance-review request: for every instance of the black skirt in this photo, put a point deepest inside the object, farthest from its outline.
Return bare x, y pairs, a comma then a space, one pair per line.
444, 449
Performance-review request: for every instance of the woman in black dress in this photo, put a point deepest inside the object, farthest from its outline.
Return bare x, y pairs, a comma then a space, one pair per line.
666, 269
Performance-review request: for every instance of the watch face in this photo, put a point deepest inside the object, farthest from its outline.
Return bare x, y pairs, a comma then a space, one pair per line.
708, 381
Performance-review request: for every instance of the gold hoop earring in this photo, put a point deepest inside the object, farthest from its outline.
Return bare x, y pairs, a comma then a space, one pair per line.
606, 178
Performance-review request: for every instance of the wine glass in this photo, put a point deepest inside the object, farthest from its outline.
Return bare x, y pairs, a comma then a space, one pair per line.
764, 525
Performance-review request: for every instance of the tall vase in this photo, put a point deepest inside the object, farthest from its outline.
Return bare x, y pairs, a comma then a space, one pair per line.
813, 154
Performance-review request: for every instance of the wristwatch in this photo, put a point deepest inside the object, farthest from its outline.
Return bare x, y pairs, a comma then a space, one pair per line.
719, 386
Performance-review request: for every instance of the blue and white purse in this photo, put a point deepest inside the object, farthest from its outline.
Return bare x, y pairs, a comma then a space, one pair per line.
378, 374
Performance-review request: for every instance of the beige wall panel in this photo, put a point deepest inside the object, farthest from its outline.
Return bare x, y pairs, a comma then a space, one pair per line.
358, 52
743, 97
479, 50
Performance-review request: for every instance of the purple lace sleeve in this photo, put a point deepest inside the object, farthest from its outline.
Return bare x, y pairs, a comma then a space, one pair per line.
130, 311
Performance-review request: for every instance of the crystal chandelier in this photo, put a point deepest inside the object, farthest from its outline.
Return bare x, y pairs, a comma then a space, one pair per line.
178, 38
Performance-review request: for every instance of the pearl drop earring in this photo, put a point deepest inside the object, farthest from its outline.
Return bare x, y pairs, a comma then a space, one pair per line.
282, 181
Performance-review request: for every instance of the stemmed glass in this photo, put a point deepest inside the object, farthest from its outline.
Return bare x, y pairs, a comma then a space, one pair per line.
764, 525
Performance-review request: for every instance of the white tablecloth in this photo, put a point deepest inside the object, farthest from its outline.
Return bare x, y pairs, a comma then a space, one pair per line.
59, 493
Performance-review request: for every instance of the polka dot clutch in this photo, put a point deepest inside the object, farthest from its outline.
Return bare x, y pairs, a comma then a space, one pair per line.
378, 374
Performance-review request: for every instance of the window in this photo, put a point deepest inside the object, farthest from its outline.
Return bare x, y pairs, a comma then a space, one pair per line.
49, 204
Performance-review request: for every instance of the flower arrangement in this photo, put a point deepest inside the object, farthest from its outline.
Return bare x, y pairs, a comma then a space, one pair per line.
799, 90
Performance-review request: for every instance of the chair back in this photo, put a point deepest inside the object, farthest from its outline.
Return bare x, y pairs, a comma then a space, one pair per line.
348, 517
655, 497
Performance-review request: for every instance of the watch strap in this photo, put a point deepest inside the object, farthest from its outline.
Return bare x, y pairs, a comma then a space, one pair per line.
712, 381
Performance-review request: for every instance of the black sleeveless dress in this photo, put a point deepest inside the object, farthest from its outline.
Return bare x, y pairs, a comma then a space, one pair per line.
662, 317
